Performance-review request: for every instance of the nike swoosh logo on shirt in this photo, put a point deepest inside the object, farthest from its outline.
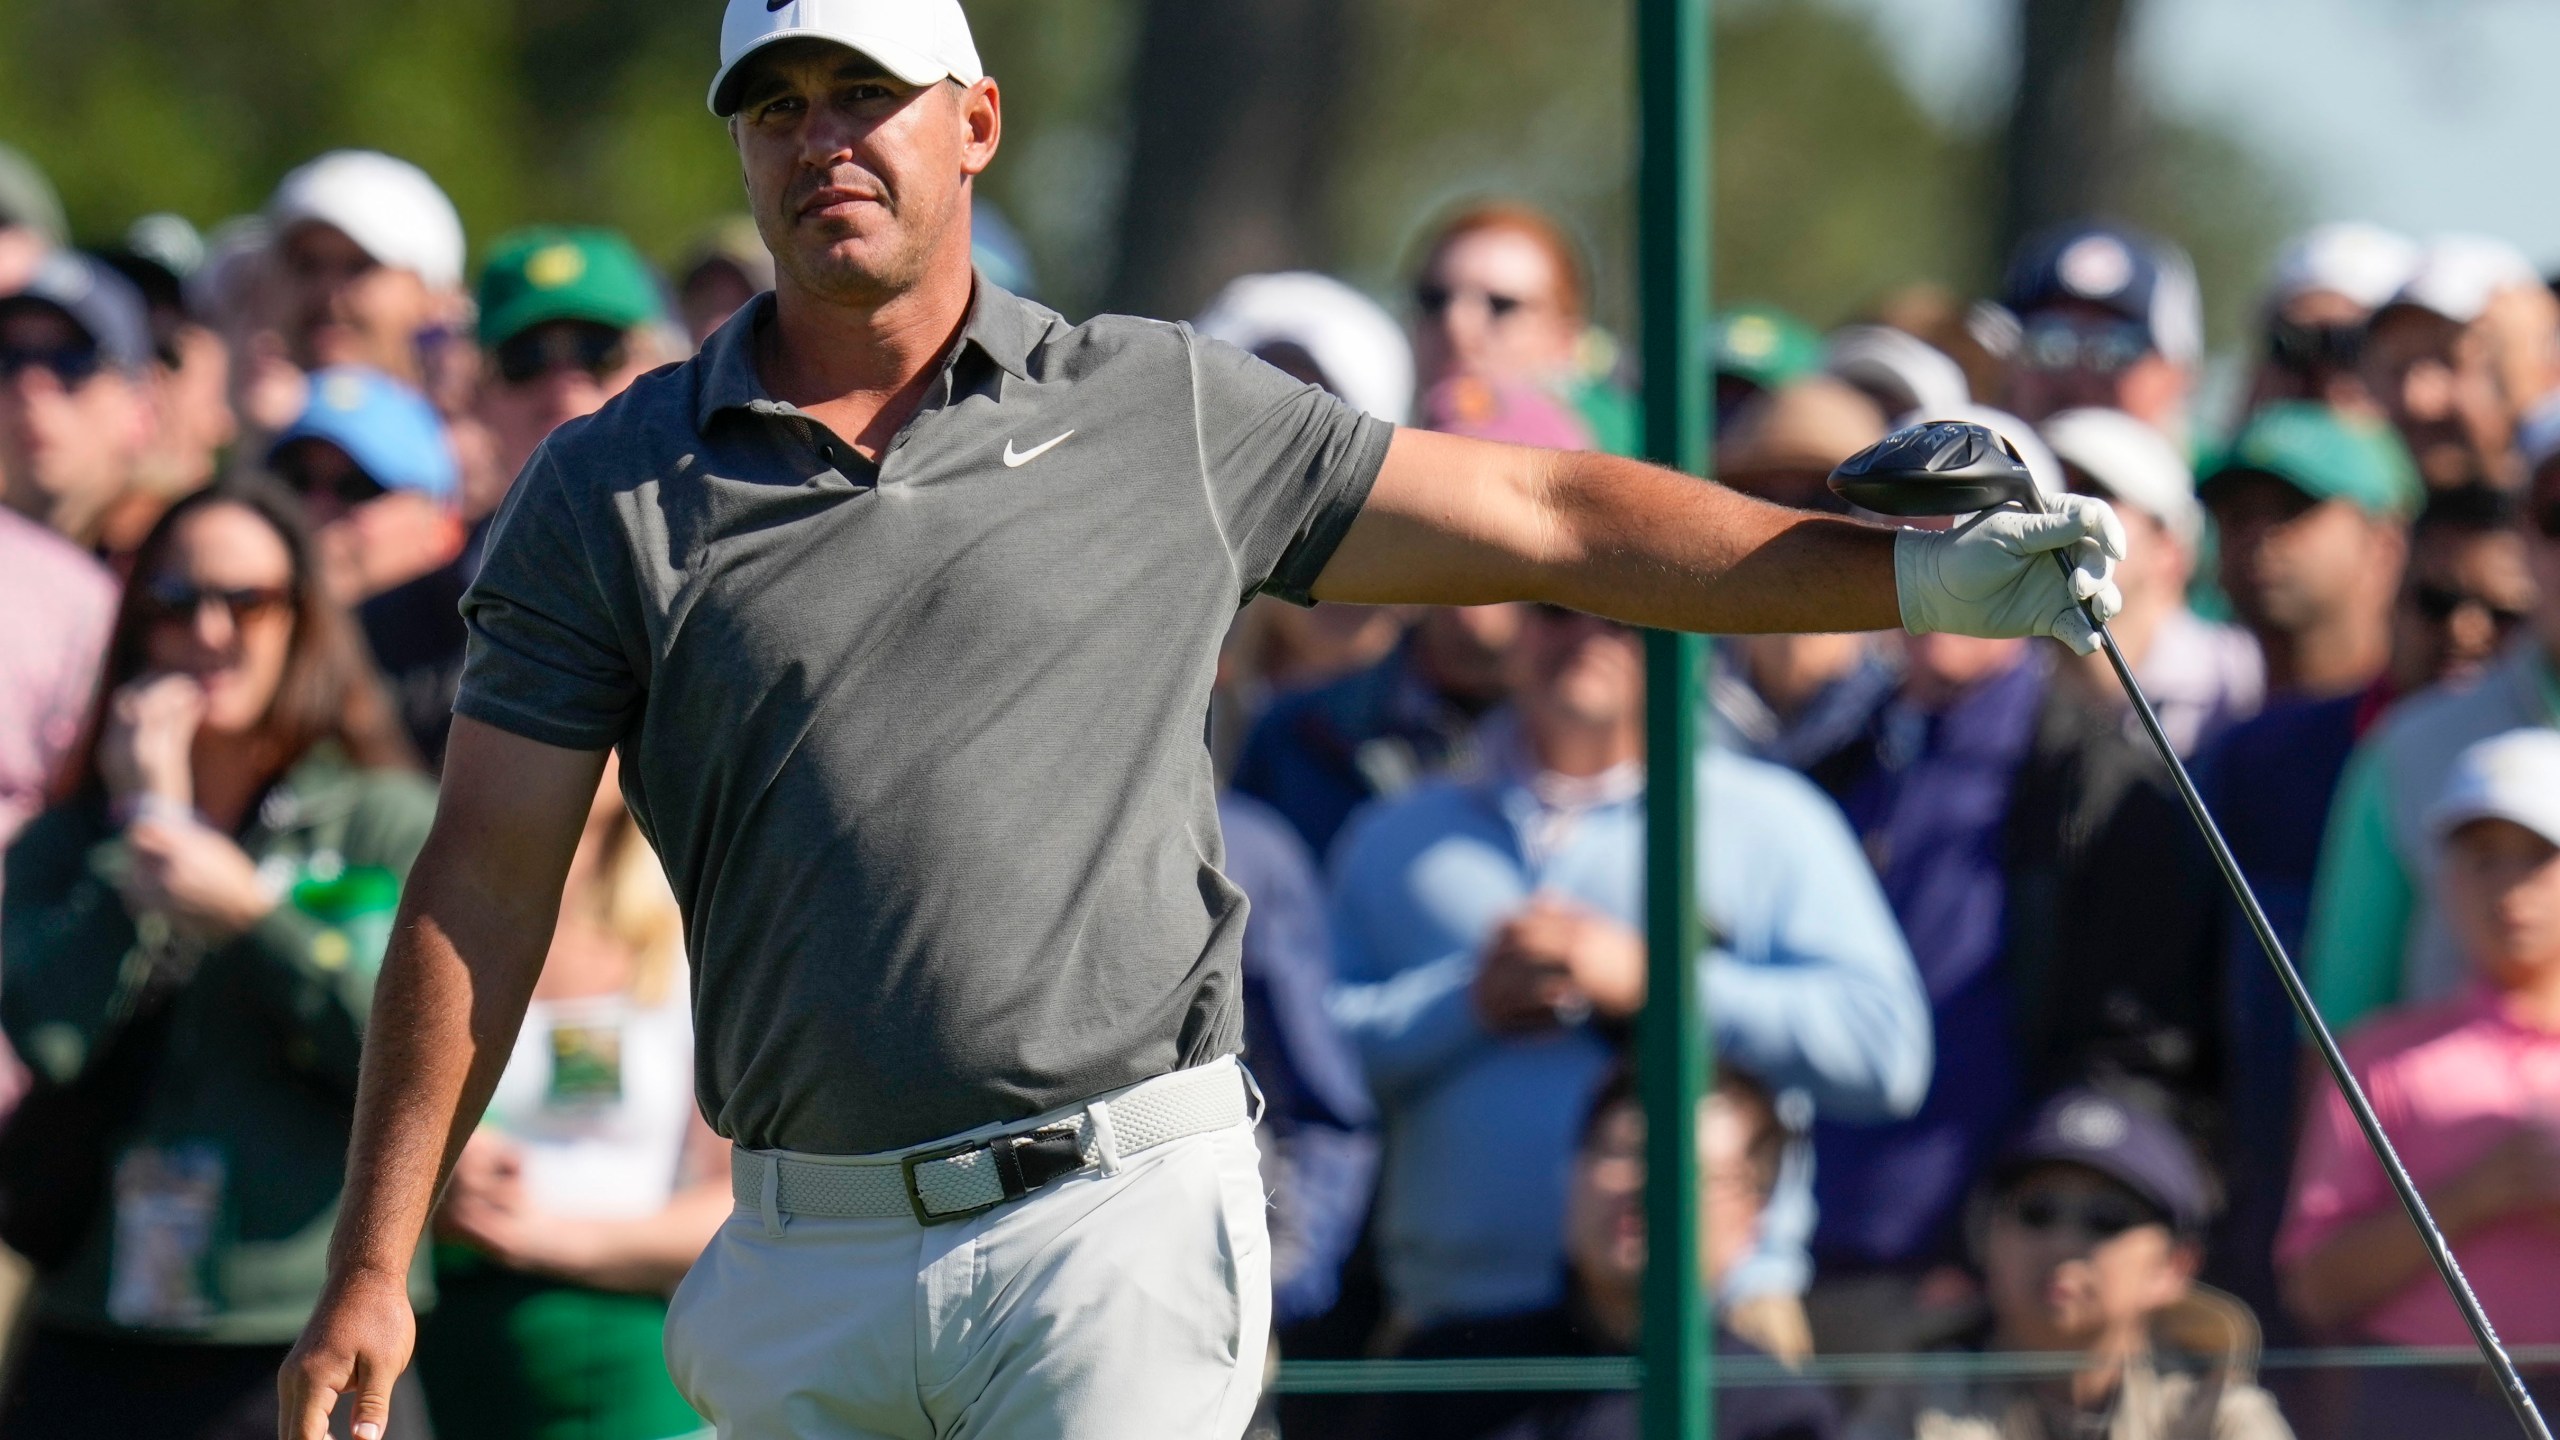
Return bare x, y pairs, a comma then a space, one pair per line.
1013, 457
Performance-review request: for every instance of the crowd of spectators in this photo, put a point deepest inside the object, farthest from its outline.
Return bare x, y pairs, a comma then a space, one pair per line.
1999, 1068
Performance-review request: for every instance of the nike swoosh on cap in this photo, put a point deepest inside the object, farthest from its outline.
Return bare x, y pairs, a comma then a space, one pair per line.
1013, 458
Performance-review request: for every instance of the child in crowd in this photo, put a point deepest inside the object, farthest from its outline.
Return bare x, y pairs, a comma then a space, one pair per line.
2087, 1234
2469, 1091
1740, 1141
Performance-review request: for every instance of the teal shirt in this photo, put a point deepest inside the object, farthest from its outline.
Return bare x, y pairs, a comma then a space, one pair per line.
2374, 932
217, 1219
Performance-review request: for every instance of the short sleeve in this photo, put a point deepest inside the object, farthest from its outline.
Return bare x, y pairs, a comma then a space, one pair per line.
544, 657
2336, 1180
1287, 466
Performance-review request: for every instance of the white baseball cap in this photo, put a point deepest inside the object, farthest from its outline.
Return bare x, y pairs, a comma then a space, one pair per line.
2135, 462
919, 41
1899, 370
1353, 340
2365, 263
387, 206
2458, 275
2515, 776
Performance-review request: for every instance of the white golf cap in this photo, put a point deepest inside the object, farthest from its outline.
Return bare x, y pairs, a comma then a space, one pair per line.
2365, 263
1899, 370
387, 206
2458, 275
1353, 340
2136, 464
919, 41
2515, 776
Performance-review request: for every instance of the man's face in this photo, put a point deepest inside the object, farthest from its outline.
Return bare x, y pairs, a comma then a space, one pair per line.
859, 181
548, 375
2291, 563
2502, 885
2072, 1258
71, 426
2467, 592
2075, 354
712, 293
2436, 380
1490, 303
1575, 669
342, 307
1604, 1204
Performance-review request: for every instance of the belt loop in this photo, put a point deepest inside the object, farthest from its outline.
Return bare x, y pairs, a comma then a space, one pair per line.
1106, 1141
769, 1199
1254, 1105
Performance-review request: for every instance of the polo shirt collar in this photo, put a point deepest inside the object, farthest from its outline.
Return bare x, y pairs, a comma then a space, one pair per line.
1002, 326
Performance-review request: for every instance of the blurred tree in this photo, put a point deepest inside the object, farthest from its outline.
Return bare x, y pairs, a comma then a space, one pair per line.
2068, 137
1232, 142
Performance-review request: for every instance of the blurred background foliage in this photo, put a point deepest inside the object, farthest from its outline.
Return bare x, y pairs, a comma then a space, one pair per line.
1833, 184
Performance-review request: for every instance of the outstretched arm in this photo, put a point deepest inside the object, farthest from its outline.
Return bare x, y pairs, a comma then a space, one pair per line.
1455, 521
475, 923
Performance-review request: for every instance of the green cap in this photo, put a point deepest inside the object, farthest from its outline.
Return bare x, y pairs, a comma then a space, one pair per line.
2324, 455
1764, 345
555, 272
27, 198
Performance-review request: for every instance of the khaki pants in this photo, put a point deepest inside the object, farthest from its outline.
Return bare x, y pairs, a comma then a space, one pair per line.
1127, 1306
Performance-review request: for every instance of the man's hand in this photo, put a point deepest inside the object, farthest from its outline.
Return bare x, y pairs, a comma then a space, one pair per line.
1554, 962
1995, 577
356, 1345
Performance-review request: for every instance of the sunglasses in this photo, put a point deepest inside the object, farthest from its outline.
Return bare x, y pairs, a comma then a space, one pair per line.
597, 351
2438, 604
2051, 343
171, 598
1435, 300
2314, 349
2100, 1217
72, 364
348, 485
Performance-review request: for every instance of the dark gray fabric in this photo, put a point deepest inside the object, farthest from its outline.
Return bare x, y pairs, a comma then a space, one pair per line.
923, 751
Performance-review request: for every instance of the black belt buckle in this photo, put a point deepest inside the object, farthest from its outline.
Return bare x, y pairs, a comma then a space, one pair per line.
1024, 1163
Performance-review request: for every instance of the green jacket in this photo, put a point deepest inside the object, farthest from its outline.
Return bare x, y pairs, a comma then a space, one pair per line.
226, 1181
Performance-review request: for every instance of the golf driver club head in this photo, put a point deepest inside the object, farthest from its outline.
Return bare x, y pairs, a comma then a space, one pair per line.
1938, 467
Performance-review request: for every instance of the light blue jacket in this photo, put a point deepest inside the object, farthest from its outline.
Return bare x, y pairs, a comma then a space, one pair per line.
1808, 986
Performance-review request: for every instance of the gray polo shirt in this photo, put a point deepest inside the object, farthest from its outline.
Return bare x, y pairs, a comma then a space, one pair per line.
921, 746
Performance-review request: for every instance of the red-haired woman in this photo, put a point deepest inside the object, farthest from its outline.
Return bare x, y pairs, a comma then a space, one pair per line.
204, 908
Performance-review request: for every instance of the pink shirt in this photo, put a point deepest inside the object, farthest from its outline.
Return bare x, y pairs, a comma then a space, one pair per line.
2448, 1080
58, 605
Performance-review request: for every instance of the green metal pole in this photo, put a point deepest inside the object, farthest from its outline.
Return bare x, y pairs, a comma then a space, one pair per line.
1671, 65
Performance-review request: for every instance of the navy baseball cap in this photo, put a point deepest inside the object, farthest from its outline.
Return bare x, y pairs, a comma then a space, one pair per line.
2129, 1144
2143, 279
101, 302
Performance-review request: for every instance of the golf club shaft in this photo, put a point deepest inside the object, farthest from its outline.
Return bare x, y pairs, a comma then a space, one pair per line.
2511, 1383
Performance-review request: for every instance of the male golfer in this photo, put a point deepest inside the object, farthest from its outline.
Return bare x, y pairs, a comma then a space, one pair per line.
901, 603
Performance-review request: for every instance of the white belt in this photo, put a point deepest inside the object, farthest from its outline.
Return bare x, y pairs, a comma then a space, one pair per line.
952, 1180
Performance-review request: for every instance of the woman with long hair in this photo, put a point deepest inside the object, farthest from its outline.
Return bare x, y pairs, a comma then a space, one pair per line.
199, 917
592, 1183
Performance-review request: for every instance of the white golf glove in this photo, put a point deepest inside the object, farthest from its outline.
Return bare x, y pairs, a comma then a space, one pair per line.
1994, 575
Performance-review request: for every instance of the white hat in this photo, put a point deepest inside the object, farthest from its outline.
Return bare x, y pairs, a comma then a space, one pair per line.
2515, 776
1360, 348
2365, 263
2458, 275
1899, 369
388, 207
2135, 462
919, 41
2022, 437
